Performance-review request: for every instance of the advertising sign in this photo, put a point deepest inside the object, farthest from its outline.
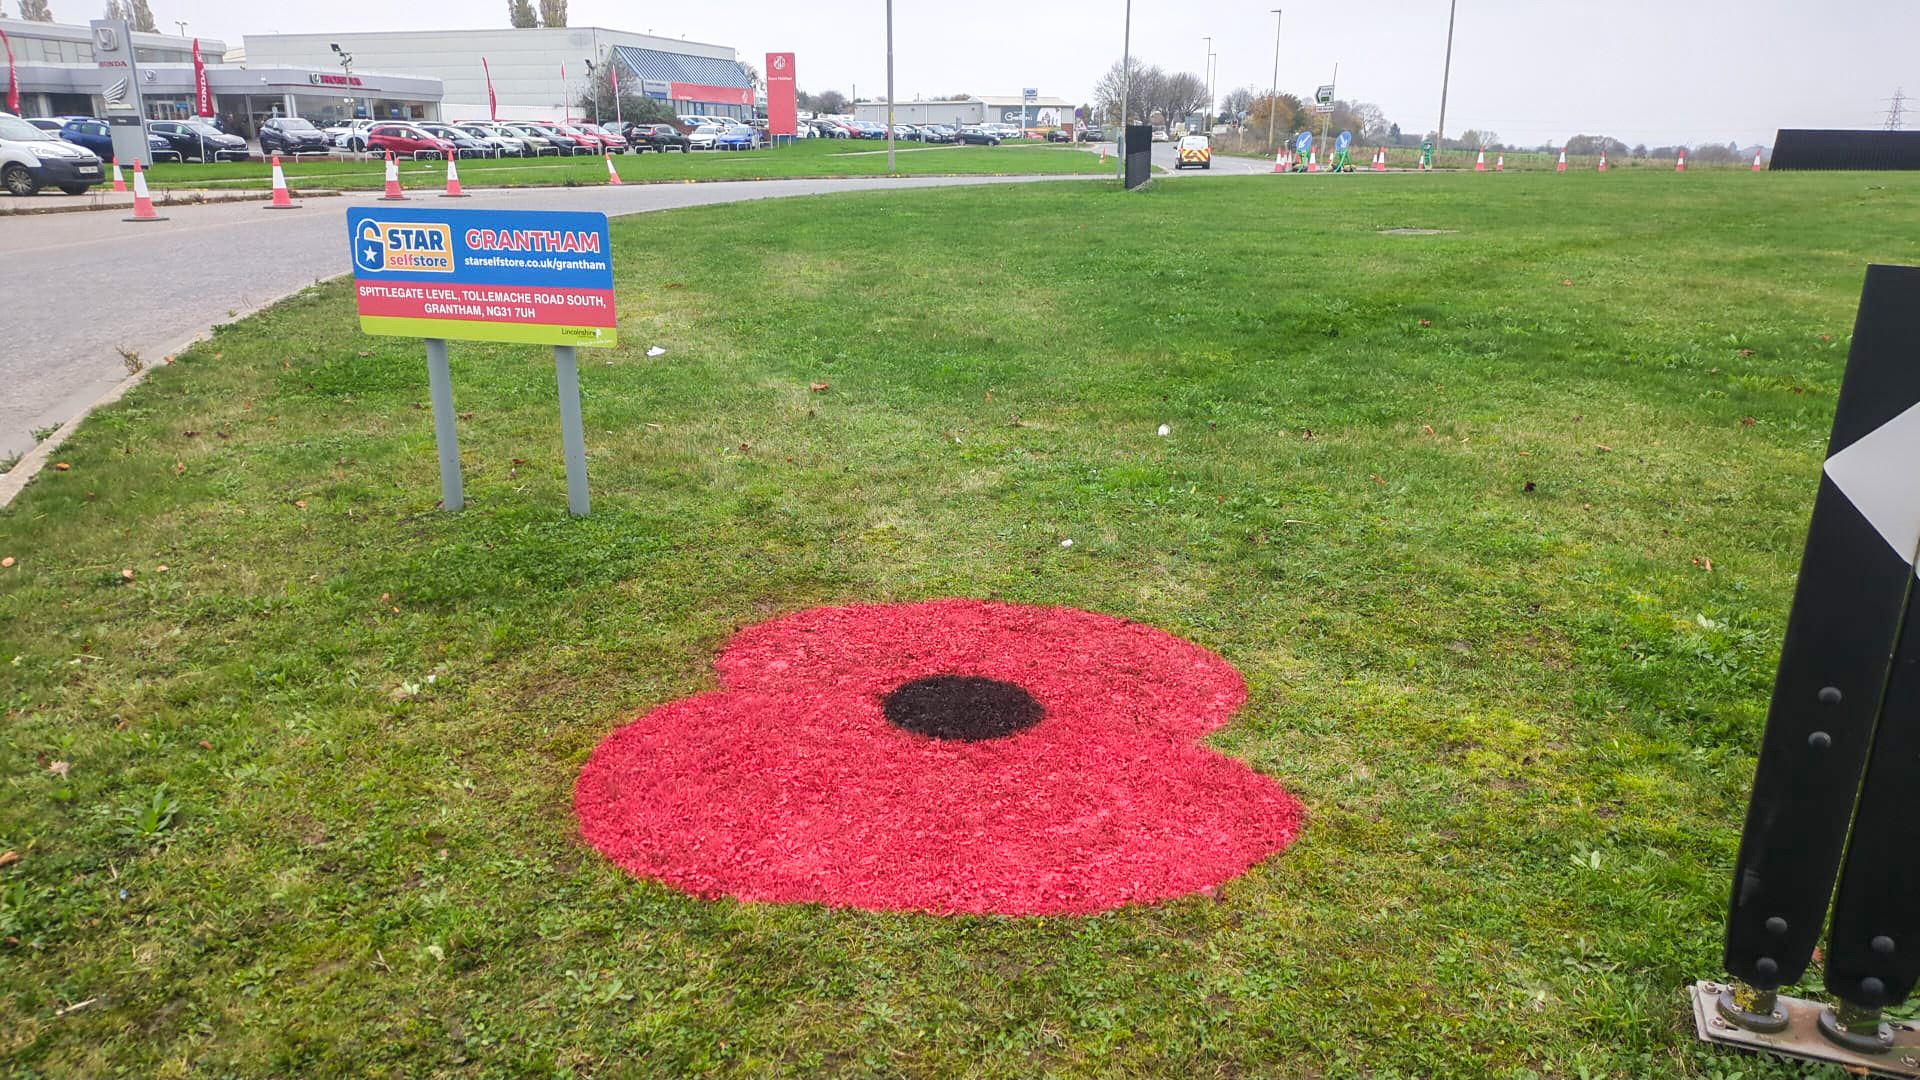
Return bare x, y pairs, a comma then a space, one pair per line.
528, 276
780, 95
124, 110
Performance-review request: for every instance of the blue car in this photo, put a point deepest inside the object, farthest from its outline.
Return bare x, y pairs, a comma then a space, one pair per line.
737, 137
94, 134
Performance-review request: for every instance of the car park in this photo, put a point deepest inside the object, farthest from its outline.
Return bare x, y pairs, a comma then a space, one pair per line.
658, 138
1194, 150
31, 158
406, 140
292, 135
975, 135
196, 140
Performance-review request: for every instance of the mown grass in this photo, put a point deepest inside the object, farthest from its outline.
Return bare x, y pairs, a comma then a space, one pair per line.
809, 158
1448, 501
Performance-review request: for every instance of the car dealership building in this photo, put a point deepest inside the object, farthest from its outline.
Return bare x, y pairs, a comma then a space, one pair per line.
538, 73
1040, 111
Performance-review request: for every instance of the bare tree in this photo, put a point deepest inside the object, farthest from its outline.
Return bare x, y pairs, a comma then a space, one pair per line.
1181, 96
1237, 103
830, 102
1138, 84
36, 11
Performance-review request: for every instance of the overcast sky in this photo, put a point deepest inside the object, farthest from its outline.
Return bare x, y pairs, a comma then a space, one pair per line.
1533, 71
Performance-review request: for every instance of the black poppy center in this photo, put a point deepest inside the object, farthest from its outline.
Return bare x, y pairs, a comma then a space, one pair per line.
964, 707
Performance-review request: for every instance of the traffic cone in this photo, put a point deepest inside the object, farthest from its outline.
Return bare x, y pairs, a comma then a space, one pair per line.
282, 199
1480, 163
1756, 161
1103, 153
453, 180
1562, 167
394, 194
1501, 164
1380, 160
612, 176
1278, 159
1603, 161
142, 204
1313, 161
119, 182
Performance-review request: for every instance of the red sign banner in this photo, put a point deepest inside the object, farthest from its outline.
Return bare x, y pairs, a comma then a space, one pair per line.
202, 93
780, 94
13, 80
711, 95
493, 104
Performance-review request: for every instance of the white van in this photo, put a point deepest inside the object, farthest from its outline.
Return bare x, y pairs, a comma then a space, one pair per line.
31, 159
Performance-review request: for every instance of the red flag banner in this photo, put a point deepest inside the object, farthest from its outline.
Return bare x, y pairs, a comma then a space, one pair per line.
780, 96
202, 92
13, 80
493, 104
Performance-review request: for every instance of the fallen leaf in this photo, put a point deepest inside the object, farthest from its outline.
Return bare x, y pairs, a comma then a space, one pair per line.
61, 466
205, 745
1377, 480
386, 598
989, 395
744, 447
1566, 281
820, 387
163, 568
655, 427
59, 768
676, 285
1426, 322
1307, 434
6, 562
1826, 337
1528, 486
366, 354
179, 469
1704, 563
300, 504
1427, 428
189, 434
8, 858
466, 416
1747, 421
1603, 448
127, 574
1746, 352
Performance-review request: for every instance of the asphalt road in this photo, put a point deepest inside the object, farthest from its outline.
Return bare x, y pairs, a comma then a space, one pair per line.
84, 287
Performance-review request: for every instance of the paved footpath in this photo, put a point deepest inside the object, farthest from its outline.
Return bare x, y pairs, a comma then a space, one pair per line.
84, 287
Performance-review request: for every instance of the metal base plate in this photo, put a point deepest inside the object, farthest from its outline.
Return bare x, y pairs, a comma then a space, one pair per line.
1802, 1038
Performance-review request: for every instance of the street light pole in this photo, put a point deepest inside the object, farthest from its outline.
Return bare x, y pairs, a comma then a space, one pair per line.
1446, 74
1206, 83
593, 91
1273, 93
889, 87
1126, 83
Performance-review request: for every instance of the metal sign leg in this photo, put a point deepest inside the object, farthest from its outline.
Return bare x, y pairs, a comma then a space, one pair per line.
573, 441
445, 436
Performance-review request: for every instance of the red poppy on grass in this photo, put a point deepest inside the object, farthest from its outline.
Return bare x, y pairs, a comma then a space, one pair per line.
946, 756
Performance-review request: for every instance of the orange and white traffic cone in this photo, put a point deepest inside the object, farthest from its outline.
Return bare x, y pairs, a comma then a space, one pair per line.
393, 194
453, 180
1756, 161
612, 176
1562, 167
1279, 157
119, 182
1603, 161
1313, 161
1501, 164
1681, 165
1380, 160
1480, 163
1103, 153
142, 203
282, 199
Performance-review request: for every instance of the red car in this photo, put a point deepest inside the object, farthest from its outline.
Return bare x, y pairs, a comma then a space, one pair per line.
405, 140
606, 135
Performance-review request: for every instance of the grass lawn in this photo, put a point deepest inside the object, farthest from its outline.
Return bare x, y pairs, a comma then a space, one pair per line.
1500, 525
809, 158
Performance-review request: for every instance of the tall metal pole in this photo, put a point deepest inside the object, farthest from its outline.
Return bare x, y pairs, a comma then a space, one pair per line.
1446, 73
1206, 82
1273, 93
889, 87
1126, 81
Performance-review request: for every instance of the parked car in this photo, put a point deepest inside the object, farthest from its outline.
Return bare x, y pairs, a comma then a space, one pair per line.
936, 133
658, 138
832, 129
614, 141
292, 135
974, 135
196, 140
534, 141
95, 135
406, 140
348, 135
50, 124
737, 137
704, 137
1060, 134
32, 158
465, 144
569, 140
1092, 133
503, 144
907, 132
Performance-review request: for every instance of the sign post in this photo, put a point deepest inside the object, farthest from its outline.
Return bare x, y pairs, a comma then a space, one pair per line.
531, 277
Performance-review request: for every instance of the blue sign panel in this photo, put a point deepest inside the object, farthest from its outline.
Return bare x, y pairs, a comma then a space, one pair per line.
1304, 142
1345, 140
530, 276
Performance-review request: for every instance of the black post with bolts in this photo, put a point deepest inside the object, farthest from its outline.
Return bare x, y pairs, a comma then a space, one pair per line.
1832, 793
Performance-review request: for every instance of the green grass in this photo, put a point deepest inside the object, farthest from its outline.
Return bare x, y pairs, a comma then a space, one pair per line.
809, 158
1447, 501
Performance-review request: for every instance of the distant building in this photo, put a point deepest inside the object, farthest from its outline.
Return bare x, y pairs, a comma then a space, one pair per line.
539, 73
1040, 112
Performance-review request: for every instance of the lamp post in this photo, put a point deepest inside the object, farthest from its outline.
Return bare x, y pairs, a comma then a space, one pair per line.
593, 91
1206, 82
889, 87
1446, 73
1273, 92
182, 24
1126, 83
